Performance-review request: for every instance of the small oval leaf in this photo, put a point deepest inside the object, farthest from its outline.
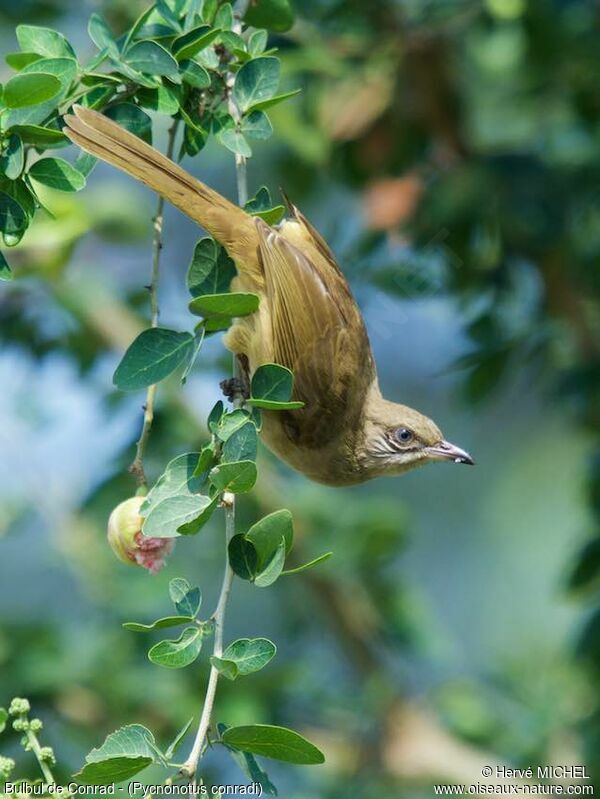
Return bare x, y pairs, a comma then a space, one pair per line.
180, 653
278, 743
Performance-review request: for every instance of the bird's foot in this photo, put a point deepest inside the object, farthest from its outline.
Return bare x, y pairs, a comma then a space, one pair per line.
234, 388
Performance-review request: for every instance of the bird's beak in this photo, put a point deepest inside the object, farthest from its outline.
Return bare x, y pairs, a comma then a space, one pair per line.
445, 451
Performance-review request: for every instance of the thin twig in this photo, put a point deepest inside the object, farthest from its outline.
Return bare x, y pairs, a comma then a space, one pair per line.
36, 749
137, 467
190, 766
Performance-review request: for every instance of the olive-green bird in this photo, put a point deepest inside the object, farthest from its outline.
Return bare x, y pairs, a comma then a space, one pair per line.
307, 320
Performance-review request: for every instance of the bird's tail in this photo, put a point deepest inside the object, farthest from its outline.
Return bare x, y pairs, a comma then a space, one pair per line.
228, 223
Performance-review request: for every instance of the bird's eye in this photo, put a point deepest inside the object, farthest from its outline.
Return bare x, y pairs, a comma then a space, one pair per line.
404, 436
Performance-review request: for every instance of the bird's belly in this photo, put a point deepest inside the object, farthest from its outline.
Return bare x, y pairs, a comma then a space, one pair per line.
327, 465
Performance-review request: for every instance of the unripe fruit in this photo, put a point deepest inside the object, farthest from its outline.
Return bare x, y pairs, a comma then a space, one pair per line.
129, 543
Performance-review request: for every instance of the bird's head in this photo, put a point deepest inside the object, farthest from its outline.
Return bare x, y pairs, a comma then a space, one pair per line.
398, 438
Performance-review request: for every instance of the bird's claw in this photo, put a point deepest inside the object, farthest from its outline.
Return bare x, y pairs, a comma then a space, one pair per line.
234, 388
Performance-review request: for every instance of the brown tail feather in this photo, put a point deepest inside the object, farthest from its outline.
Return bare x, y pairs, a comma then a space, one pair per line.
228, 223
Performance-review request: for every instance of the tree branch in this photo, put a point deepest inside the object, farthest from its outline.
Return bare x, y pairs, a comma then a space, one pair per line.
137, 467
190, 766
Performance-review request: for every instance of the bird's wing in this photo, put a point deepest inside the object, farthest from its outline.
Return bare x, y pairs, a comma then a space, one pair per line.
318, 332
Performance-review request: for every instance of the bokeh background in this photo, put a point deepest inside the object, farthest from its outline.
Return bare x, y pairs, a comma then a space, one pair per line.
449, 151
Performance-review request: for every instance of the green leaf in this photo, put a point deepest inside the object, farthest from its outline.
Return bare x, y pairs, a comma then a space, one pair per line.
25, 90
227, 668
45, 41
133, 76
185, 598
256, 417
84, 163
241, 445
309, 565
190, 43
58, 174
263, 105
224, 17
193, 124
278, 743
162, 99
179, 477
132, 119
232, 304
273, 569
38, 136
209, 9
234, 140
250, 654
193, 527
266, 535
272, 216
257, 42
137, 26
124, 753
153, 59
194, 75
176, 742
164, 9
65, 69
179, 653
13, 158
256, 125
13, 219
249, 766
5, 270
211, 270
3, 718
167, 518
216, 414
21, 193
112, 770
153, 355
208, 58
178, 588
19, 60
238, 477
198, 339
97, 97
256, 81
260, 202
261, 205
159, 624
272, 382
102, 36
228, 423
234, 43
205, 462
242, 556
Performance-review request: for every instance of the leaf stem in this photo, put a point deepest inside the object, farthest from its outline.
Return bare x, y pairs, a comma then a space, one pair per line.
137, 467
36, 749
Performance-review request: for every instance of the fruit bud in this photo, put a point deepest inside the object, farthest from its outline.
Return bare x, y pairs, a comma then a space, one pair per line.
19, 706
7, 764
129, 543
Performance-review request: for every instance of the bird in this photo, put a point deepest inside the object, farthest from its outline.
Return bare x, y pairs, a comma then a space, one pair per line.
307, 321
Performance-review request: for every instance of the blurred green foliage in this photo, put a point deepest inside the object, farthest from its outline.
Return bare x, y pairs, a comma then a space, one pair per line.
465, 133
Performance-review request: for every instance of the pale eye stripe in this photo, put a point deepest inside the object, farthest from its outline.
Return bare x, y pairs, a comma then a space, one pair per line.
396, 446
